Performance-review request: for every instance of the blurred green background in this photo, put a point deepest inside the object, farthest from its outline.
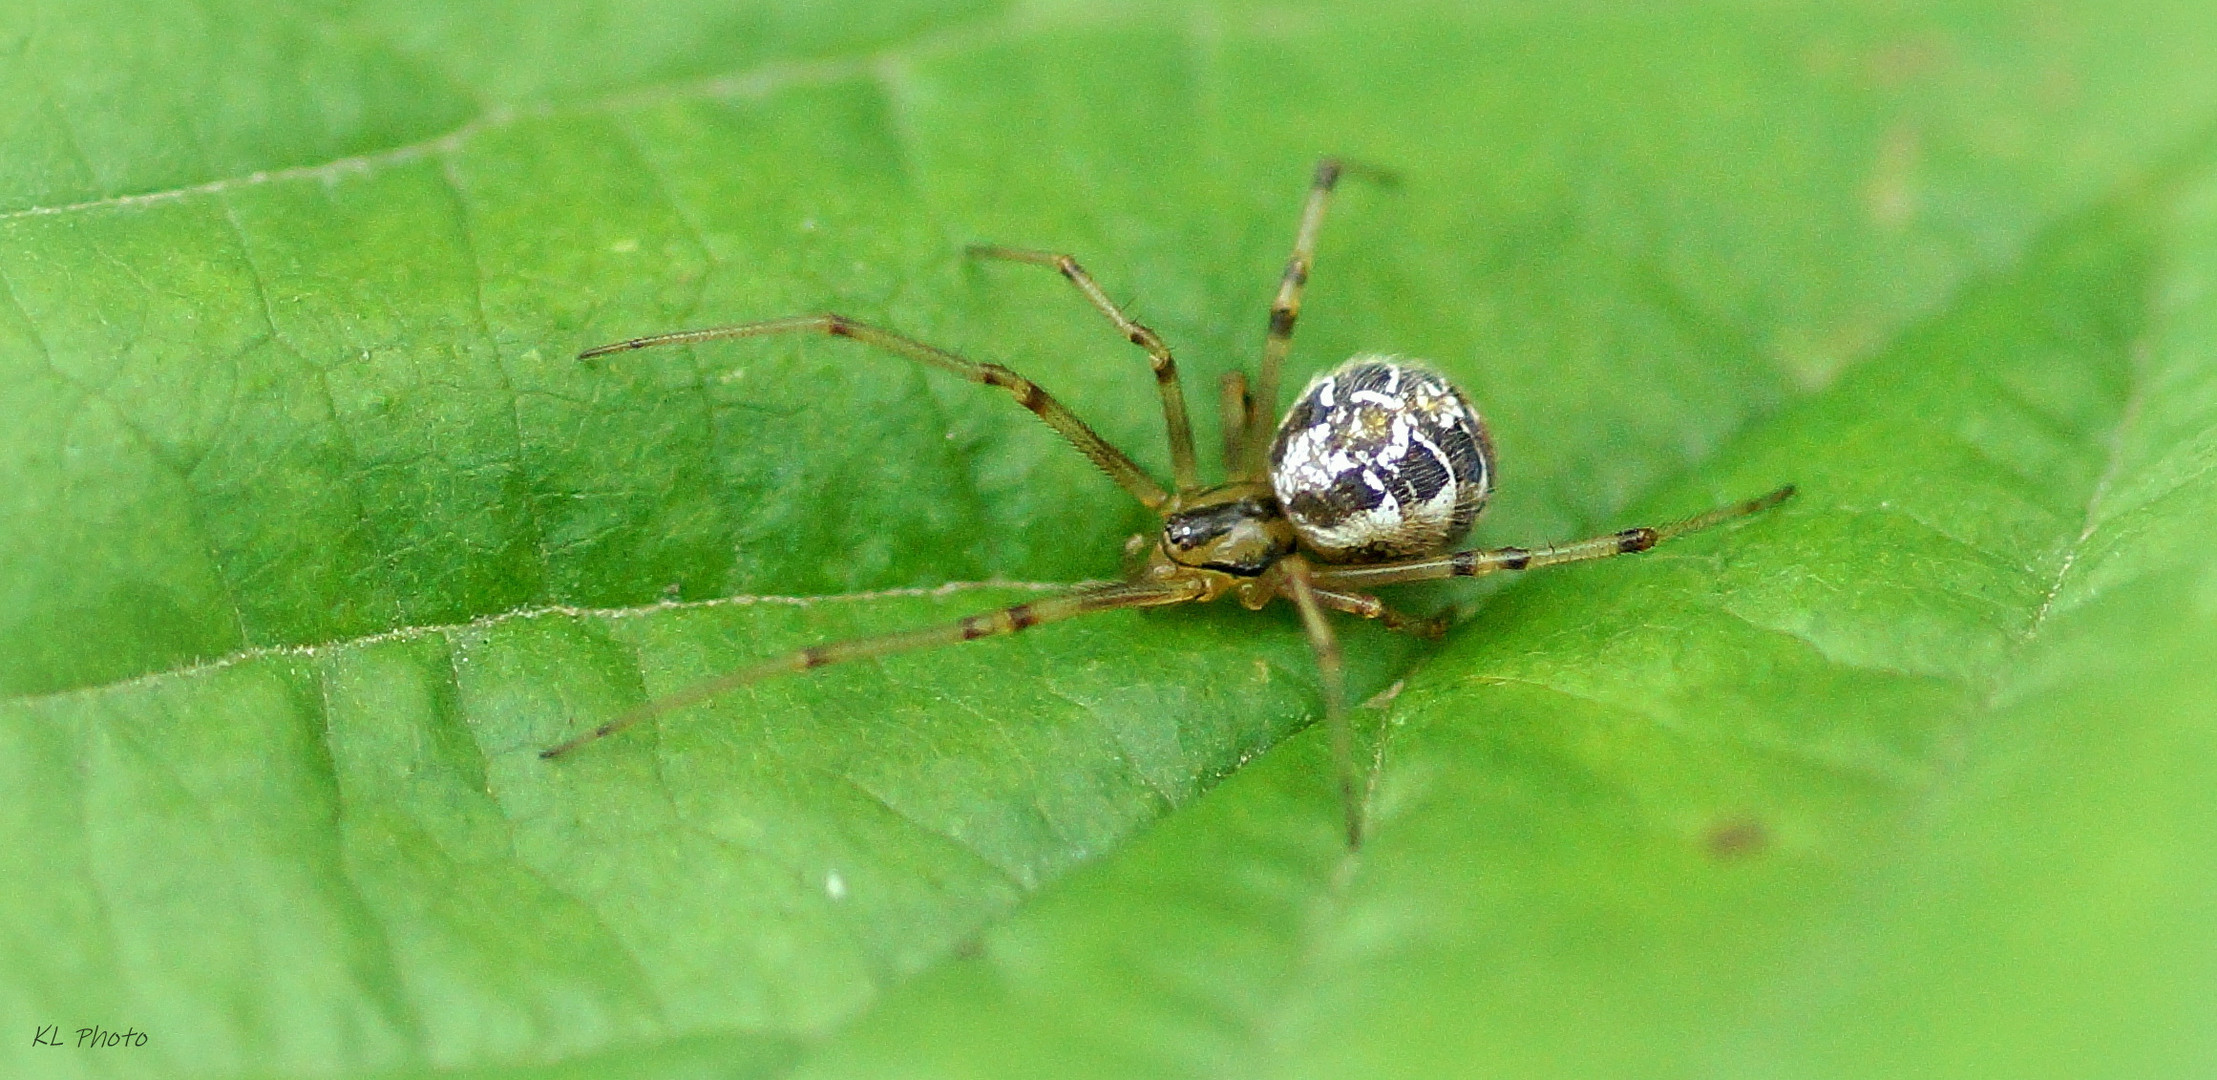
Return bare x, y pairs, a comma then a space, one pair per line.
312, 532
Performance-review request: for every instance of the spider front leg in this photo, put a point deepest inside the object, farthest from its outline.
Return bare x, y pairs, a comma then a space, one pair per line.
1184, 470
1027, 393
1488, 560
1300, 587
1007, 620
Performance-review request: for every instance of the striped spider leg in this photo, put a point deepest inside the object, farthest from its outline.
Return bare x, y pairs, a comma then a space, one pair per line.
1482, 561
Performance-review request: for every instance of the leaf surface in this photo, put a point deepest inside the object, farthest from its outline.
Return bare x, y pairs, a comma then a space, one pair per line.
312, 533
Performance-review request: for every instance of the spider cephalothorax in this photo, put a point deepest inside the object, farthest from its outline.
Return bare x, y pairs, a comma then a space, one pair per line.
1378, 469
1237, 528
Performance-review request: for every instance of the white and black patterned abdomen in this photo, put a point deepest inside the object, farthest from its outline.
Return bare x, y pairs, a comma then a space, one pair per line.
1380, 459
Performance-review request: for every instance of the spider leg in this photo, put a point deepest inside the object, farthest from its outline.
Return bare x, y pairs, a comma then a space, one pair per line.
1058, 416
1182, 466
1301, 589
1487, 560
1366, 606
1233, 406
1287, 308
1007, 620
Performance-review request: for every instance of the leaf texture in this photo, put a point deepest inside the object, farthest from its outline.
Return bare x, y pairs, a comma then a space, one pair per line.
312, 533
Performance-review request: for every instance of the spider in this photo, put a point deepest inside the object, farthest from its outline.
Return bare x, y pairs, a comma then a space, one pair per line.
1374, 474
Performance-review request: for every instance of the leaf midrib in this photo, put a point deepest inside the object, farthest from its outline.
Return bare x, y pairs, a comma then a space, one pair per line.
413, 632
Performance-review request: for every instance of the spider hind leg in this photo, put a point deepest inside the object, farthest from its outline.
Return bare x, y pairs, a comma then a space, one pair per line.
1481, 561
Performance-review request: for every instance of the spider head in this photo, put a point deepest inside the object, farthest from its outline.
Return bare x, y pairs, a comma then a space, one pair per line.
1236, 528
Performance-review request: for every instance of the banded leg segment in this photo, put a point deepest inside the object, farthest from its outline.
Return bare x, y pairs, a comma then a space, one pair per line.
1233, 407
1183, 468
1286, 308
1058, 416
1366, 606
1301, 589
1488, 560
1007, 620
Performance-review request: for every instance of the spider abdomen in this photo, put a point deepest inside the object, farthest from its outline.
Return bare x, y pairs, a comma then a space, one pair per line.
1381, 458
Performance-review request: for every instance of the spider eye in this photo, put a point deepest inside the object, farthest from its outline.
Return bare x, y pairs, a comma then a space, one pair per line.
1381, 458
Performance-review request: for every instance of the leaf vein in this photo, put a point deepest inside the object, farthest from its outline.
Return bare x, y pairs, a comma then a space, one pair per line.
761, 80
532, 514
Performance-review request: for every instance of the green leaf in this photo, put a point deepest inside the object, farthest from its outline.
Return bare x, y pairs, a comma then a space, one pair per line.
312, 533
